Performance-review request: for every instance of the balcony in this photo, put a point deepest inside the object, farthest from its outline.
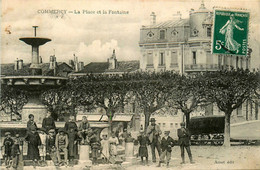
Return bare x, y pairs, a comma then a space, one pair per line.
201, 67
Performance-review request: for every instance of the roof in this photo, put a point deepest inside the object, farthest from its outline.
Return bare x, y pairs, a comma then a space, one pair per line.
102, 67
8, 69
170, 23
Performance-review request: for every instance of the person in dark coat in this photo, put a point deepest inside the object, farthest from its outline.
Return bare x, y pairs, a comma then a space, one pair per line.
48, 122
143, 141
71, 124
83, 129
73, 145
50, 146
34, 141
166, 144
184, 142
7, 144
31, 123
16, 152
95, 146
153, 132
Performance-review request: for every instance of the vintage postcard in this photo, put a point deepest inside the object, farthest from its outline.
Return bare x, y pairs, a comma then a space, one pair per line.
130, 84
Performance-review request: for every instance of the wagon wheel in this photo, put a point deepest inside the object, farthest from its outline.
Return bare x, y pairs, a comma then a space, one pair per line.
220, 142
204, 137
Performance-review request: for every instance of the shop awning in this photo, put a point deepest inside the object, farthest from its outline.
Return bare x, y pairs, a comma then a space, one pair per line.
122, 118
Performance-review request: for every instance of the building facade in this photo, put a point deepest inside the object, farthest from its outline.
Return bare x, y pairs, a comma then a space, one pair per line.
184, 45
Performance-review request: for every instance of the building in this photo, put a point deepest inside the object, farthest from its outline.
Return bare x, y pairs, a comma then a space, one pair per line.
110, 67
184, 45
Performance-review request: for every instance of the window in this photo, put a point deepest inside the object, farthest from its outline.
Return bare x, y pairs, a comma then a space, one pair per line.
174, 58
239, 111
159, 124
195, 32
162, 34
194, 57
163, 124
247, 64
150, 59
174, 32
150, 34
161, 62
176, 125
209, 58
171, 125
237, 59
209, 31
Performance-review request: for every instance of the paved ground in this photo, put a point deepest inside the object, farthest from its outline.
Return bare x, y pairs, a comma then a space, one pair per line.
205, 157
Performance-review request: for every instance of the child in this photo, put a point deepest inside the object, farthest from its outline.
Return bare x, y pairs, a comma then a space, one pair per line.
113, 142
95, 146
166, 144
50, 146
8, 143
61, 143
105, 148
73, 148
42, 147
83, 129
70, 124
16, 151
143, 141
34, 141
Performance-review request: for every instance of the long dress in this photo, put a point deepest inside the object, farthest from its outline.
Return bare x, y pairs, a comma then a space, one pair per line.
143, 141
8, 143
33, 142
105, 150
72, 148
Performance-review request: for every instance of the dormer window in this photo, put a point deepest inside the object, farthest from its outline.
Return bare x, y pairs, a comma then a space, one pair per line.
174, 32
195, 32
208, 31
162, 34
150, 34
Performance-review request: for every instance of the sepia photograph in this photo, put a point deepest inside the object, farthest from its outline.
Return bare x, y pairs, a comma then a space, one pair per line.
129, 84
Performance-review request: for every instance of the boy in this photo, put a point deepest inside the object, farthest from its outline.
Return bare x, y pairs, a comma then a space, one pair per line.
83, 129
71, 124
143, 141
48, 122
42, 147
34, 141
166, 144
95, 146
113, 142
8, 143
61, 143
105, 148
16, 151
73, 147
50, 146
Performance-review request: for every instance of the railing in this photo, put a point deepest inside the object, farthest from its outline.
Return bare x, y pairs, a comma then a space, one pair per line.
201, 67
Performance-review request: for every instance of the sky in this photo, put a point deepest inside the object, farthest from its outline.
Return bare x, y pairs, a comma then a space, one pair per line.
92, 37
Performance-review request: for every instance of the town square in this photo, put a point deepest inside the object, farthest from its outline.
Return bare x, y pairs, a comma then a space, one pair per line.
130, 85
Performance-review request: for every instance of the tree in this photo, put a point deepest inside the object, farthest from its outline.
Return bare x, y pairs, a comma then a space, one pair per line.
229, 89
186, 93
13, 99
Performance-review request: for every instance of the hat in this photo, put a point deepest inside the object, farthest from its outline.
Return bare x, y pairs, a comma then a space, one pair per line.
51, 131
152, 120
167, 132
61, 130
7, 133
182, 123
42, 129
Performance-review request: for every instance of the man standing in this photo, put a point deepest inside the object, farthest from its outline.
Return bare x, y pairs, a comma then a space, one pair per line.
184, 141
48, 122
153, 133
167, 144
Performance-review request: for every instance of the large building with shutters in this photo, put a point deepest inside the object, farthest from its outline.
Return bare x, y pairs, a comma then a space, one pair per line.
184, 45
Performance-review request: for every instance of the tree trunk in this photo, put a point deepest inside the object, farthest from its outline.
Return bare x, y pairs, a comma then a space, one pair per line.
147, 119
187, 116
247, 110
256, 110
227, 129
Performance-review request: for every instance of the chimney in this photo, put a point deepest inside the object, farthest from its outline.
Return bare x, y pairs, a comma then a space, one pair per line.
16, 64
54, 65
81, 65
20, 64
153, 18
76, 63
51, 62
71, 63
112, 61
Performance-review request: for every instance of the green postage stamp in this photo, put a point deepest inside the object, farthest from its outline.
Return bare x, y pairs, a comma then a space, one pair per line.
230, 32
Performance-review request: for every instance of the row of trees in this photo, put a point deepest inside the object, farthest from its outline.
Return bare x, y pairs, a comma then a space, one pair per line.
153, 91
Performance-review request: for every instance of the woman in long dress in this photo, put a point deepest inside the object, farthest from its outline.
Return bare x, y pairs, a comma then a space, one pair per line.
228, 31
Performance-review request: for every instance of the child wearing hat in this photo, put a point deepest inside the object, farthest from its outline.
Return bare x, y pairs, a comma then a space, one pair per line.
166, 144
7, 144
50, 146
16, 151
143, 141
61, 143
34, 141
42, 147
